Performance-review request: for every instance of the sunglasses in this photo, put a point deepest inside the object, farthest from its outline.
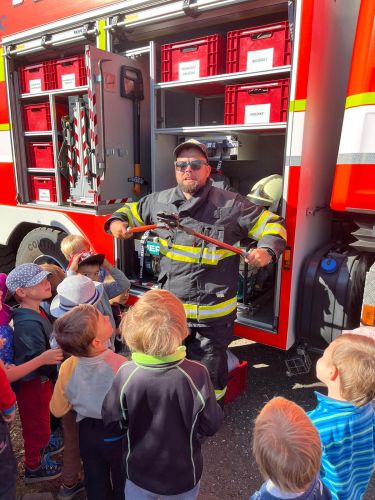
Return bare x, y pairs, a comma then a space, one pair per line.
181, 166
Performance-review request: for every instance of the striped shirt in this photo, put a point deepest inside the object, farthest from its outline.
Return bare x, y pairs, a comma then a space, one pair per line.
347, 434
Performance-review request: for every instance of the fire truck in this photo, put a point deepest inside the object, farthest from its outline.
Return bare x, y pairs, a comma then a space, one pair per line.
95, 95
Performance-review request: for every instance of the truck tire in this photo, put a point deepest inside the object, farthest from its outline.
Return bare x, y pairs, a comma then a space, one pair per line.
7, 259
42, 245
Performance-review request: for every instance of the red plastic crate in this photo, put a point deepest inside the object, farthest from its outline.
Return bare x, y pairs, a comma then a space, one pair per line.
192, 59
37, 117
236, 382
256, 103
258, 48
40, 155
71, 72
38, 77
43, 188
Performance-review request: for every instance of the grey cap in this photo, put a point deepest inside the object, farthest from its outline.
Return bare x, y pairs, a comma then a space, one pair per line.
25, 276
191, 143
73, 291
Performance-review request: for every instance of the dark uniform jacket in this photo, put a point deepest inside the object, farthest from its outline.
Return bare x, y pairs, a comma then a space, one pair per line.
166, 405
31, 337
202, 275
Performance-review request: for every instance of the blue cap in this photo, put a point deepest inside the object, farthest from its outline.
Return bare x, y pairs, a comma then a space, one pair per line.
25, 276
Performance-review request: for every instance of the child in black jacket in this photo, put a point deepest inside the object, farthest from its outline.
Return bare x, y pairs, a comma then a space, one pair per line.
165, 402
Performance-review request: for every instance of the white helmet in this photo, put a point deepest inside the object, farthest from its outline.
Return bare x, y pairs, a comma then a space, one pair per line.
267, 192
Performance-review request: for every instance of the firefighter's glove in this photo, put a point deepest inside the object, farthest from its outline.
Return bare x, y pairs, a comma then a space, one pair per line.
258, 257
118, 229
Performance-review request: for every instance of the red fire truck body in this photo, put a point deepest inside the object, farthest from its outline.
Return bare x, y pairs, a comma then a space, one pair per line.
71, 58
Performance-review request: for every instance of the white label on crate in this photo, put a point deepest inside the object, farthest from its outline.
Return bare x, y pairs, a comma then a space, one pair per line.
35, 86
188, 70
257, 113
259, 60
68, 81
44, 195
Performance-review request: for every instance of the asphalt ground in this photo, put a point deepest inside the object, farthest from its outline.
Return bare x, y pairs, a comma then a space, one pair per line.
230, 471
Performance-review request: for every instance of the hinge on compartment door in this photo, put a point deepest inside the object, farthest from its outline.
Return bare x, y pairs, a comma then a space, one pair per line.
186, 7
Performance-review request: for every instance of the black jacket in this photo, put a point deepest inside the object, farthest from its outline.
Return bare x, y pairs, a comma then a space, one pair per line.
31, 337
165, 405
202, 275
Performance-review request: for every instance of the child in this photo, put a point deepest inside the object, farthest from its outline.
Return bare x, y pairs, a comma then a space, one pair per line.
6, 331
74, 244
56, 276
287, 450
30, 286
84, 380
345, 419
89, 264
8, 467
166, 402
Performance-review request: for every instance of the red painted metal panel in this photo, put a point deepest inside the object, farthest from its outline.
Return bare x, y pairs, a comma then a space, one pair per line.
4, 117
28, 14
7, 184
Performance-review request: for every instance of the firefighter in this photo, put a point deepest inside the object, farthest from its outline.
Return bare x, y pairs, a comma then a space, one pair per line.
204, 276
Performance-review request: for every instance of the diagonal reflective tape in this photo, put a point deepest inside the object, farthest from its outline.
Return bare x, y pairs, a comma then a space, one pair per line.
258, 228
275, 228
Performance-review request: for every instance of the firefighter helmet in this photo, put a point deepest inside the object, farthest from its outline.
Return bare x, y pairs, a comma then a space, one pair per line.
267, 192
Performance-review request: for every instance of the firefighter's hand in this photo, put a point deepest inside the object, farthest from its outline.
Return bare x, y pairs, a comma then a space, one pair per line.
259, 257
118, 229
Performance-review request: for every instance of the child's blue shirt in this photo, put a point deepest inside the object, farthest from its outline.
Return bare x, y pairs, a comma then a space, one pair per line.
347, 434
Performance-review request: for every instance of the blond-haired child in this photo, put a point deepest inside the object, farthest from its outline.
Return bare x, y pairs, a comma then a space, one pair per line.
287, 449
345, 418
166, 402
73, 244
83, 381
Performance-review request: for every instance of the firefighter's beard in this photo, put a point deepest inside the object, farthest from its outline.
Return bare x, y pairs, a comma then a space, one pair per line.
190, 187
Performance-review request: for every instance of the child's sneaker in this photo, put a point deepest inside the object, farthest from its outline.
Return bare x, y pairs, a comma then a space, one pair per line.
55, 444
68, 492
47, 470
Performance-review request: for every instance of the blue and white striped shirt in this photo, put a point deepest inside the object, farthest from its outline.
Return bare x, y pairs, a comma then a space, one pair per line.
347, 433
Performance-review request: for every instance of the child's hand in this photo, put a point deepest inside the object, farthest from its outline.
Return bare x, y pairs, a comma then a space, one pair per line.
51, 357
106, 264
73, 264
10, 417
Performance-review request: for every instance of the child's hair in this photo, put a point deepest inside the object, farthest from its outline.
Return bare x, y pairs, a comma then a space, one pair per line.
56, 277
354, 358
72, 244
286, 445
76, 329
156, 324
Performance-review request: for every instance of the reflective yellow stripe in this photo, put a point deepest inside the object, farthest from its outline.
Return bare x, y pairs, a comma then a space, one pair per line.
131, 212
185, 253
193, 311
275, 228
101, 39
213, 257
298, 105
258, 228
2, 69
220, 393
360, 99
5, 126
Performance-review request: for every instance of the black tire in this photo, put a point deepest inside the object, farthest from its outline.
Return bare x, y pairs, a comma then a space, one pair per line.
42, 245
7, 259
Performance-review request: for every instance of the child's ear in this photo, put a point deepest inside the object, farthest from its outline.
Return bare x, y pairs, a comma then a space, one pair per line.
333, 373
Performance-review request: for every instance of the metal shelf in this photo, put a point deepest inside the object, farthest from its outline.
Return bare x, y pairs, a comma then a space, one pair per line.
219, 129
56, 92
226, 77
41, 171
36, 134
